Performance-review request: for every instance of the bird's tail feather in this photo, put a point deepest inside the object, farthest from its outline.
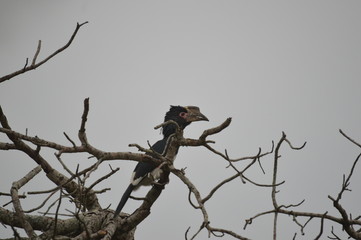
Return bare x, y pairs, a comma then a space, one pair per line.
124, 199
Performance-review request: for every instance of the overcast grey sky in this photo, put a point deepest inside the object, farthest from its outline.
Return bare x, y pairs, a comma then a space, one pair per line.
273, 66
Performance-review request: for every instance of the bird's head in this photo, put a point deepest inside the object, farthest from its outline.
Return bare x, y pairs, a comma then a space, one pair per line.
183, 116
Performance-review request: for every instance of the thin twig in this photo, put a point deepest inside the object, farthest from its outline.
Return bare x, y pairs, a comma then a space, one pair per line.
63, 164
349, 138
69, 139
167, 123
36, 53
9, 195
57, 212
26, 64
42, 204
321, 228
103, 178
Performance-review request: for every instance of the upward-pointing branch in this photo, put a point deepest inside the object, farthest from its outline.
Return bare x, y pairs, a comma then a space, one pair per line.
35, 65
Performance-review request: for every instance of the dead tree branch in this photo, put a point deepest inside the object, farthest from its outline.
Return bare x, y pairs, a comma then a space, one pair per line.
35, 65
347, 223
55, 176
16, 202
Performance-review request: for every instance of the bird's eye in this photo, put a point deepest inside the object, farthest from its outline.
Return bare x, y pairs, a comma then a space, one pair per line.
183, 114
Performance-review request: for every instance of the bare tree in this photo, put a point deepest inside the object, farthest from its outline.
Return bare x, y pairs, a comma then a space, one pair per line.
90, 220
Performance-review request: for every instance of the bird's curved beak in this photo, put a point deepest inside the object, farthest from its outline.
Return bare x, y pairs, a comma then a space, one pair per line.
194, 114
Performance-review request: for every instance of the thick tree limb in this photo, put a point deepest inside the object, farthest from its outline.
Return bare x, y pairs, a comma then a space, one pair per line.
7, 146
40, 223
105, 156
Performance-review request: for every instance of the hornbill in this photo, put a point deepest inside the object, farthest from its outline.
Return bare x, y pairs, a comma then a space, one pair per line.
146, 173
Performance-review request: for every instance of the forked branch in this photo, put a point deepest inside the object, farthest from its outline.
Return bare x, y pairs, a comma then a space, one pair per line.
35, 65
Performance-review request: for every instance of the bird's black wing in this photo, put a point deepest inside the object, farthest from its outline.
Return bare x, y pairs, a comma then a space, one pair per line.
160, 146
143, 168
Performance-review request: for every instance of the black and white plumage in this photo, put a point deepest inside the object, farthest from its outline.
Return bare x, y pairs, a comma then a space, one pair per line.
146, 173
